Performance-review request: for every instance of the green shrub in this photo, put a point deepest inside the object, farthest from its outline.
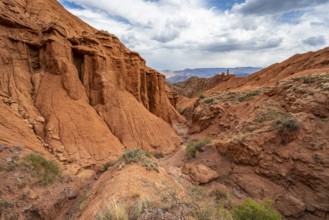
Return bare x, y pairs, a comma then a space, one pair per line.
290, 124
158, 155
251, 210
47, 171
286, 125
193, 148
202, 96
208, 101
141, 157
105, 167
181, 110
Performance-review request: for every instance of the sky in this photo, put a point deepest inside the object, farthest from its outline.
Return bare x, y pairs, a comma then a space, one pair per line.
179, 34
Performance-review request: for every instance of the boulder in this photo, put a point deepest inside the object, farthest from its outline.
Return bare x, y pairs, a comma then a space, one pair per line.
200, 173
290, 205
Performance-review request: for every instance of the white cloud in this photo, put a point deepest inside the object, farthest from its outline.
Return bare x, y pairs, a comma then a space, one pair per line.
265, 7
175, 34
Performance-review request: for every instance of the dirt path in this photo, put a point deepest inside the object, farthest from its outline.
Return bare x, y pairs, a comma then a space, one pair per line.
174, 162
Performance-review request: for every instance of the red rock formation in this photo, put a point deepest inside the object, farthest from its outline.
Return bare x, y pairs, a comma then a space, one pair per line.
194, 86
78, 91
299, 64
273, 142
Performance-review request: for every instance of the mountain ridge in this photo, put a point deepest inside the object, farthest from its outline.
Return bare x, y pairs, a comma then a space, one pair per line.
182, 75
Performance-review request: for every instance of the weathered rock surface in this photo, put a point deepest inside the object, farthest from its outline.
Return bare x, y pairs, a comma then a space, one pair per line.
74, 89
290, 205
131, 184
200, 173
275, 138
194, 86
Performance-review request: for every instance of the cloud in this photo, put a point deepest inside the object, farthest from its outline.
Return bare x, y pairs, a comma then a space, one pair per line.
315, 41
266, 7
178, 34
236, 45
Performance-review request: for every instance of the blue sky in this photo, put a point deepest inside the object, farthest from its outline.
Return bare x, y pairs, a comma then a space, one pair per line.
178, 34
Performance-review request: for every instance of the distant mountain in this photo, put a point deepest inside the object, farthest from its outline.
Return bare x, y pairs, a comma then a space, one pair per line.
182, 75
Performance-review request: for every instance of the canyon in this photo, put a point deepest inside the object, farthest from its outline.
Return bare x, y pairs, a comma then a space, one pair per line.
75, 96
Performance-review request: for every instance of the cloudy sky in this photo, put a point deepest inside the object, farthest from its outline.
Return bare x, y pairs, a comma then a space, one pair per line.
178, 34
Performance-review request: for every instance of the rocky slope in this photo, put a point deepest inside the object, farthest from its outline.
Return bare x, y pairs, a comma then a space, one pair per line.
194, 86
299, 64
271, 134
77, 91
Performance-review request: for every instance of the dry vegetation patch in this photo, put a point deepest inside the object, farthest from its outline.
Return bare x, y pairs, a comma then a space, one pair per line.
138, 156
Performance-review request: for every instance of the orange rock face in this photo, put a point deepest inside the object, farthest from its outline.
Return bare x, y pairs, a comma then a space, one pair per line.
78, 91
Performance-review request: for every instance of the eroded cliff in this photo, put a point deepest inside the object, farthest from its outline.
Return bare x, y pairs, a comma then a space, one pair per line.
74, 90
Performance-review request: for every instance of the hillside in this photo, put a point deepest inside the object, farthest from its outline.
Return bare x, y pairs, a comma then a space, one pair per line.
297, 65
195, 86
270, 130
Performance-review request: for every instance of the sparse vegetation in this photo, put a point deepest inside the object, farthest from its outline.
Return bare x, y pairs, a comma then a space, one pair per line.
246, 96
204, 207
137, 209
193, 148
47, 171
9, 167
209, 101
141, 157
5, 204
218, 195
312, 78
113, 210
289, 124
158, 155
105, 167
181, 110
286, 125
268, 114
202, 96
308, 79
196, 205
284, 122
252, 210
209, 211
83, 202
117, 210
236, 97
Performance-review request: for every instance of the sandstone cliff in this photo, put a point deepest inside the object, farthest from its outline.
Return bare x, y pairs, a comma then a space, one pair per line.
75, 90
